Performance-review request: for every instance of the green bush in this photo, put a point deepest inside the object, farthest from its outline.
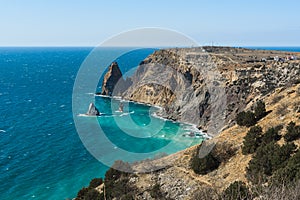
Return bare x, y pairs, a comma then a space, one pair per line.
89, 194
260, 110
95, 182
246, 119
116, 182
236, 191
290, 173
249, 118
93, 195
252, 140
267, 160
82, 193
293, 132
272, 134
204, 165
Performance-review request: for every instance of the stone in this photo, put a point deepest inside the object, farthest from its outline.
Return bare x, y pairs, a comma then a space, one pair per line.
93, 111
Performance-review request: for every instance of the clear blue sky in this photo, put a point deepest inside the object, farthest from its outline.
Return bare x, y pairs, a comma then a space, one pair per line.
89, 22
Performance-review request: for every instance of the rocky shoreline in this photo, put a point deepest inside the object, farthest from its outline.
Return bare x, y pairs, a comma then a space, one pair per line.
245, 76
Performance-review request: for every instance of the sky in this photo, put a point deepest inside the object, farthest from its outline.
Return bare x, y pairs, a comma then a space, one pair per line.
90, 22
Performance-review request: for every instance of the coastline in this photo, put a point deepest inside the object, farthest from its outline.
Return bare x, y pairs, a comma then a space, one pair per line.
155, 114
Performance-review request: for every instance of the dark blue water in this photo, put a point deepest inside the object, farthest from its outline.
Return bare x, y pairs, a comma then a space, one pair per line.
41, 154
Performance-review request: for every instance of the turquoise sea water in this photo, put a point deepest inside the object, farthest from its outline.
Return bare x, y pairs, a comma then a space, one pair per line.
41, 153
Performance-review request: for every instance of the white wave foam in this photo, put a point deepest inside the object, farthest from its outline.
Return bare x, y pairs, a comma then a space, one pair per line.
85, 115
2, 131
128, 113
101, 95
159, 117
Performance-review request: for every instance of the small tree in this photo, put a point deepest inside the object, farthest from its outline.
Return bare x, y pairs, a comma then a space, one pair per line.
246, 118
204, 165
293, 132
260, 165
260, 110
236, 191
95, 182
252, 140
272, 134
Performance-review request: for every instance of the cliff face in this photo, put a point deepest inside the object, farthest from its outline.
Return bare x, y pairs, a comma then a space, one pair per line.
198, 85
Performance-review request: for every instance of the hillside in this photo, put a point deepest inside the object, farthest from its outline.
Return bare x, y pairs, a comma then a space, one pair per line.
241, 77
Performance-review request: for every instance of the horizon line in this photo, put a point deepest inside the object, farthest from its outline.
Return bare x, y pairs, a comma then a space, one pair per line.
88, 46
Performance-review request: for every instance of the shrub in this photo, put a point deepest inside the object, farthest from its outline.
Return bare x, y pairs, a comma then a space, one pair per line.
95, 182
260, 165
236, 191
267, 160
272, 135
250, 118
204, 193
246, 119
290, 173
260, 110
155, 192
93, 195
204, 165
88, 194
293, 132
81, 194
281, 155
252, 140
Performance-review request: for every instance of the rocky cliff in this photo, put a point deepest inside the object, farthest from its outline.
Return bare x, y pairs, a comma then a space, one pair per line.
205, 85
113, 83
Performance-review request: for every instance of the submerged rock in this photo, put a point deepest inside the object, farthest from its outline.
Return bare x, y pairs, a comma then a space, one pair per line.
93, 111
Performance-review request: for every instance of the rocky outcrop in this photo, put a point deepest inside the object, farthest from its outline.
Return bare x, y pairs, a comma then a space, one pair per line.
92, 111
205, 85
113, 82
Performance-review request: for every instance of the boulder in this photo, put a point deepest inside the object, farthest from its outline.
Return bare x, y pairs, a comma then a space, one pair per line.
93, 111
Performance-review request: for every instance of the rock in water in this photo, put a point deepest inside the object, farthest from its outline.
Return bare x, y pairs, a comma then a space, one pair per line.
111, 79
93, 111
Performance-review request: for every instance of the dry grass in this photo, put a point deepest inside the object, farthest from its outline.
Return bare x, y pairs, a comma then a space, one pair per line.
276, 99
282, 109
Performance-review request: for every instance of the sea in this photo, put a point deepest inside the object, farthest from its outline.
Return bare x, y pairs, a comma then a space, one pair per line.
48, 149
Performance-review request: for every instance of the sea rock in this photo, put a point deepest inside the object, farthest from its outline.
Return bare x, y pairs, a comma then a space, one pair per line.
113, 83
93, 111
